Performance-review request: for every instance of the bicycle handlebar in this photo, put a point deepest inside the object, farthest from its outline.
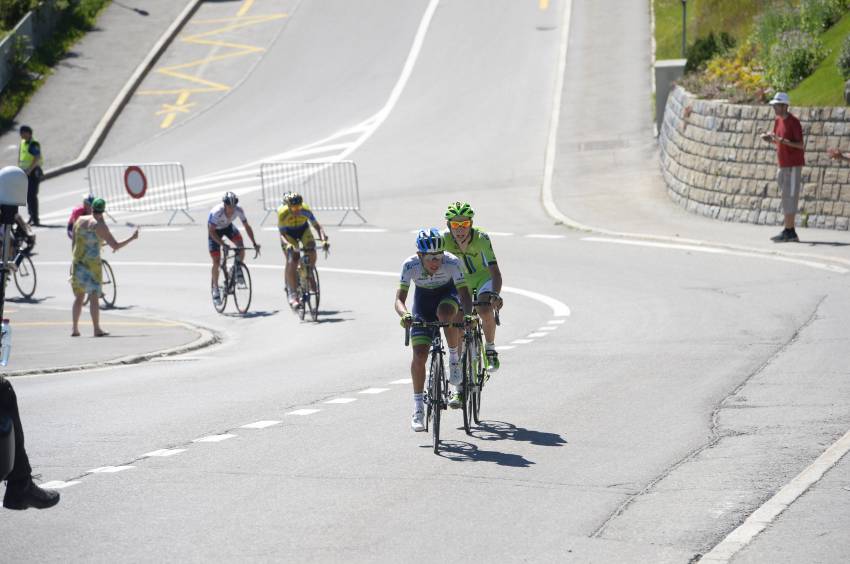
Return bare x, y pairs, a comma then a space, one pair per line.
228, 248
431, 325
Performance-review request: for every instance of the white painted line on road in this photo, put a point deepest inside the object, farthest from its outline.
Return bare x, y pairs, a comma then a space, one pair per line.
59, 484
161, 229
163, 452
362, 230
373, 391
522, 341
214, 438
342, 400
547, 328
402, 381
271, 229
260, 424
304, 412
542, 236
109, 469
504, 347
559, 308
556, 321
536, 335
500, 233
716, 250
767, 513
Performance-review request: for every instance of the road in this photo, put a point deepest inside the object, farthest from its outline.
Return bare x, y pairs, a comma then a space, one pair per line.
651, 396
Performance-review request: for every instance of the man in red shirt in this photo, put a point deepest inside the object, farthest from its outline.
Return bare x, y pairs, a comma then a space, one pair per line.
787, 135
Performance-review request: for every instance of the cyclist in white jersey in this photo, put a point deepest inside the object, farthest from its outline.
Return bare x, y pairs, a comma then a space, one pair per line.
220, 225
440, 291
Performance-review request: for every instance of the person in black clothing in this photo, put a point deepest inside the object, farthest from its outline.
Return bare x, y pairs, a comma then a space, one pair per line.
21, 491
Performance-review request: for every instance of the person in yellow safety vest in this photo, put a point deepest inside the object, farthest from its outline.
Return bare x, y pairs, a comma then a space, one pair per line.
31, 161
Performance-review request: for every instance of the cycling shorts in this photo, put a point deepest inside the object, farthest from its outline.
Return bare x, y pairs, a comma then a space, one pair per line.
230, 232
294, 235
425, 304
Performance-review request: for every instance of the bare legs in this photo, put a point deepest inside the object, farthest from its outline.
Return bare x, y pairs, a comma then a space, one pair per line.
94, 309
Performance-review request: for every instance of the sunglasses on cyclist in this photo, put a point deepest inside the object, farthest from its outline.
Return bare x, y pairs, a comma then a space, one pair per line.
464, 223
433, 256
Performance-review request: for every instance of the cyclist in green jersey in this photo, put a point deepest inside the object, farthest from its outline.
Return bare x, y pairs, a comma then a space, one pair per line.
472, 246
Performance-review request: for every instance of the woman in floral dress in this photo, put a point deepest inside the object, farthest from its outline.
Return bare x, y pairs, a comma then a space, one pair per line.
90, 232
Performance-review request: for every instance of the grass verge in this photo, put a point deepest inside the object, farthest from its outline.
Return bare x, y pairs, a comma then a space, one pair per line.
825, 86
74, 25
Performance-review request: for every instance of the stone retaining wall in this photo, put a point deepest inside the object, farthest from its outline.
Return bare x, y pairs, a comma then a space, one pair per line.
715, 164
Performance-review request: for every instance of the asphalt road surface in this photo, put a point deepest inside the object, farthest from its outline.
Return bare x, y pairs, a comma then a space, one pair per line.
651, 397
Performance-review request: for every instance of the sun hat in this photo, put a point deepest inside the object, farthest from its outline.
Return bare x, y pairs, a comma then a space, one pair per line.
780, 98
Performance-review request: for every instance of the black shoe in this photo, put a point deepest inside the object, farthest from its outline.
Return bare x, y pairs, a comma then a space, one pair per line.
786, 236
28, 495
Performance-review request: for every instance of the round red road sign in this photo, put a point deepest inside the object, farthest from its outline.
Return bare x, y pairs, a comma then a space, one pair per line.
135, 182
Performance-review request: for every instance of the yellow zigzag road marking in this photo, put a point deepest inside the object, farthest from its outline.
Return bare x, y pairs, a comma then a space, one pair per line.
198, 84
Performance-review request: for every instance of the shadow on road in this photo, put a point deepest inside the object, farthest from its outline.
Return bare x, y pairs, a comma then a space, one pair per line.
462, 451
500, 431
327, 316
825, 243
20, 300
253, 314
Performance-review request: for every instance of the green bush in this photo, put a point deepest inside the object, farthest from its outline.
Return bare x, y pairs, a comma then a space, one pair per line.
11, 11
706, 48
792, 58
816, 16
770, 24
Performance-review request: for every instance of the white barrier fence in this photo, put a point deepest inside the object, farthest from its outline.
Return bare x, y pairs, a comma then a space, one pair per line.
326, 186
151, 187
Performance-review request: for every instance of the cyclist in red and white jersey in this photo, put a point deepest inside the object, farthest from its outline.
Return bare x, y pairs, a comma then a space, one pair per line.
220, 225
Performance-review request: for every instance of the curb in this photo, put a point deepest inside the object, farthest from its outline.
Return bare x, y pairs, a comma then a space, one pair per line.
123, 97
206, 338
560, 218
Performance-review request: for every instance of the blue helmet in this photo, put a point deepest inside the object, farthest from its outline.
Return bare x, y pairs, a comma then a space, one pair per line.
430, 241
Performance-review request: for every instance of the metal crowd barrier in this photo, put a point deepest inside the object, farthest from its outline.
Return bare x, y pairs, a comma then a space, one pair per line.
326, 186
149, 187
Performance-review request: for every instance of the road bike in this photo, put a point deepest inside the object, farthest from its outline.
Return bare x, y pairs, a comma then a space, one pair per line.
108, 286
436, 394
235, 281
475, 367
307, 286
24, 273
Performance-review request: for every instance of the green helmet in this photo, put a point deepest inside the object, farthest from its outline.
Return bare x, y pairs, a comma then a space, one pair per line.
98, 205
456, 209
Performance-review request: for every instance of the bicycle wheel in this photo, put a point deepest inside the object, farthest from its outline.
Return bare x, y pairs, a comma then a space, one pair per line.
25, 277
241, 286
436, 393
480, 374
222, 293
468, 387
109, 287
313, 293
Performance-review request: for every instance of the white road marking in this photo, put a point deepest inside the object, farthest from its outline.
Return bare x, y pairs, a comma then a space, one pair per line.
402, 381
163, 452
271, 229
161, 229
717, 251
304, 412
559, 308
214, 438
556, 321
342, 400
522, 341
767, 513
504, 347
362, 230
373, 391
109, 469
542, 236
59, 484
260, 424
499, 233
536, 335
547, 328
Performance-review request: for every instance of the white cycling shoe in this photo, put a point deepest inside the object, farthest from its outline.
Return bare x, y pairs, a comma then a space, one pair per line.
417, 422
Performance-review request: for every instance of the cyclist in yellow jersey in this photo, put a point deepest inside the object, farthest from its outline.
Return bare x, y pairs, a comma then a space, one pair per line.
294, 219
472, 246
